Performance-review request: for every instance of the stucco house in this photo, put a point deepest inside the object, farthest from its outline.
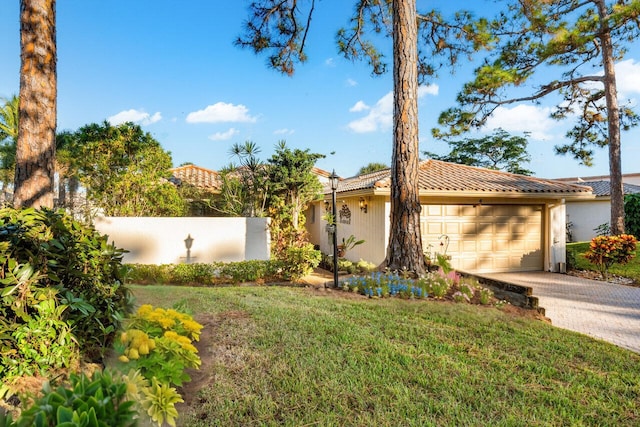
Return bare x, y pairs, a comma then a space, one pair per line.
486, 220
585, 216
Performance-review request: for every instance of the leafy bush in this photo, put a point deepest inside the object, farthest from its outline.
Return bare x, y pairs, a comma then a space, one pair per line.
632, 214
47, 256
604, 251
99, 401
251, 271
150, 274
365, 266
297, 262
42, 345
216, 273
190, 274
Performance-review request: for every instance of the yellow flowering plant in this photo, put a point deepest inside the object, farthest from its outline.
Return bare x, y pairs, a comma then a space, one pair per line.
159, 343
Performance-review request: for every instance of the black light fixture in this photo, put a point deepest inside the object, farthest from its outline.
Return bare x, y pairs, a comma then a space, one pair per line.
363, 204
333, 178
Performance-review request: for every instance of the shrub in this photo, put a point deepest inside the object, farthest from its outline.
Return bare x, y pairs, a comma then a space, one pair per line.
604, 251
485, 296
365, 266
190, 274
150, 273
45, 254
251, 271
98, 401
259, 271
632, 214
297, 261
42, 345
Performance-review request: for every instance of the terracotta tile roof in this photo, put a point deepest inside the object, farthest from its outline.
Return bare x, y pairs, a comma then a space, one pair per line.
197, 176
436, 176
603, 188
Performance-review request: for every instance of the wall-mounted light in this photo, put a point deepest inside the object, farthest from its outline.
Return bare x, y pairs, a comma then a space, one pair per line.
326, 206
363, 205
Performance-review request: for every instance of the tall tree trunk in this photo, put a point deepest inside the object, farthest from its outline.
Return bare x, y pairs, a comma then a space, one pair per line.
35, 149
613, 124
405, 241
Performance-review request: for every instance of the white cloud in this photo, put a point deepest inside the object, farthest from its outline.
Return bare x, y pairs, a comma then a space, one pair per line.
428, 90
628, 77
223, 136
380, 116
283, 131
359, 106
329, 62
221, 112
351, 83
134, 116
523, 118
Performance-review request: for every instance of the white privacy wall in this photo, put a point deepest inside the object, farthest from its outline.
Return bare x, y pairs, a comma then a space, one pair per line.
154, 240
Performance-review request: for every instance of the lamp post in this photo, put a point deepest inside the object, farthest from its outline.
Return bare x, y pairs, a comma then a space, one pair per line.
333, 178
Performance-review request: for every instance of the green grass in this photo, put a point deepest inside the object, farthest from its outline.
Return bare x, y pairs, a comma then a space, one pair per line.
630, 270
292, 357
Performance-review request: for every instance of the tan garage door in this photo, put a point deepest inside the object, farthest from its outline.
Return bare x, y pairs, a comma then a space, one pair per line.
485, 238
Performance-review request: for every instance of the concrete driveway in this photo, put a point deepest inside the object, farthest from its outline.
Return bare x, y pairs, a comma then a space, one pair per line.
602, 310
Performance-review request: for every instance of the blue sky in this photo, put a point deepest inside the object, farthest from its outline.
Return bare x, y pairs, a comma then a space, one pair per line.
172, 67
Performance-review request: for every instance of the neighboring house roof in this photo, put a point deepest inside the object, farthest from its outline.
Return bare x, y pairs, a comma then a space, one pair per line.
438, 178
603, 188
581, 179
197, 176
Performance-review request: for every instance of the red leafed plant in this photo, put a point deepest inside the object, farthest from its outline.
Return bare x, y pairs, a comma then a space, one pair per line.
604, 251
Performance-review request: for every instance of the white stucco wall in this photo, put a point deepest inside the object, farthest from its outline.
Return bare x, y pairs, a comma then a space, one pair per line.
153, 240
586, 216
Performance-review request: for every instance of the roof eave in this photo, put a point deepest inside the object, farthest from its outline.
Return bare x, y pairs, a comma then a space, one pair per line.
385, 191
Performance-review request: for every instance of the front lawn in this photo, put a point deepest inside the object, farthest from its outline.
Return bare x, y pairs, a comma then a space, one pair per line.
285, 356
577, 250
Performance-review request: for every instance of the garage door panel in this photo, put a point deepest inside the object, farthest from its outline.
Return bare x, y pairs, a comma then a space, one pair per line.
485, 245
488, 237
469, 228
452, 228
434, 210
454, 246
468, 211
468, 264
519, 226
452, 210
435, 228
469, 246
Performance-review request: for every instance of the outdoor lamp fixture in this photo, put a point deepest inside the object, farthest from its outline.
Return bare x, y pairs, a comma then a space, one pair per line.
187, 243
363, 205
333, 179
326, 206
